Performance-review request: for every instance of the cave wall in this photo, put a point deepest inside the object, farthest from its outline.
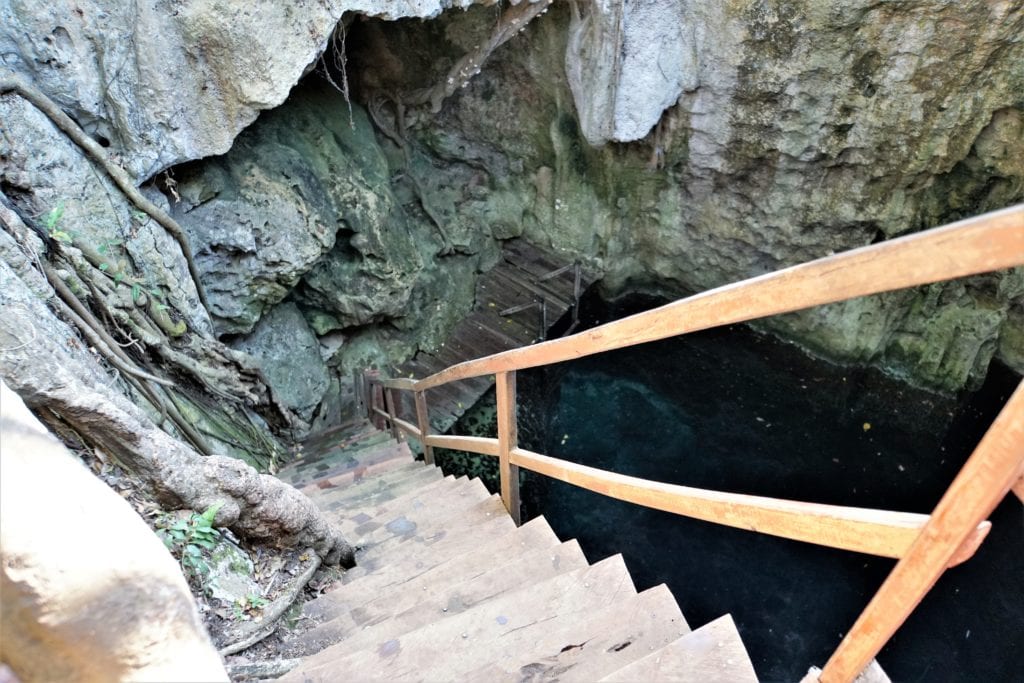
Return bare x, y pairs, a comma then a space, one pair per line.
802, 129
675, 145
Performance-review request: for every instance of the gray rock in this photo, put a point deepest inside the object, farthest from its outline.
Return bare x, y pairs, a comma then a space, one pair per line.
800, 131
41, 170
69, 572
303, 193
626, 63
168, 83
289, 356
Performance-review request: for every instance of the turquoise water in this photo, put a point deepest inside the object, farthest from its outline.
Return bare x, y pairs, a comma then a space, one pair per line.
735, 411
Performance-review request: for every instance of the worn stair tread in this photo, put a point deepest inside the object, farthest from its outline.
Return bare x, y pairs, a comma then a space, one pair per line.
343, 445
376, 512
453, 522
609, 639
385, 487
342, 435
407, 607
419, 512
352, 488
374, 497
713, 653
397, 459
335, 460
376, 575
514, 621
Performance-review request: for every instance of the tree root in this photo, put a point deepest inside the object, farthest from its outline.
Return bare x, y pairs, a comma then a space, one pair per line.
396, 134
12, 82
249, 633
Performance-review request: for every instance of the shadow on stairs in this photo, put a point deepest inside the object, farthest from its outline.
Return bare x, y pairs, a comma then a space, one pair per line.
448, 588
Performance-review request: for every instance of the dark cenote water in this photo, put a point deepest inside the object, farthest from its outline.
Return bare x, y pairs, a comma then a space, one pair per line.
733, 410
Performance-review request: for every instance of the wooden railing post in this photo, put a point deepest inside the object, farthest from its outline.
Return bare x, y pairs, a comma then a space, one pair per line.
389, 405
983, 482
423, 423
357, 391
508, 438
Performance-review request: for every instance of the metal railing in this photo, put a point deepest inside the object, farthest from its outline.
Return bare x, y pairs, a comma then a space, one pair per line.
926, 545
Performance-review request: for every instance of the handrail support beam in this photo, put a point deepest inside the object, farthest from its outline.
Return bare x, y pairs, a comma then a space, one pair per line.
508, 439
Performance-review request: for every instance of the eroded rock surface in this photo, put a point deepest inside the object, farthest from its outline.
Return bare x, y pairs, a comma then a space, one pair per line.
75, 555
168, 83
802, 129
289, 354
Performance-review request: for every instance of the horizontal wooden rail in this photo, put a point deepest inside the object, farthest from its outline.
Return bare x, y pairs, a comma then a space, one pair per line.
876, 532
981, 485
989, 242
470, 444
406, 427
400, 383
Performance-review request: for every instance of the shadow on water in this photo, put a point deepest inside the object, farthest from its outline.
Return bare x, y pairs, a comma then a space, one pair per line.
736, 411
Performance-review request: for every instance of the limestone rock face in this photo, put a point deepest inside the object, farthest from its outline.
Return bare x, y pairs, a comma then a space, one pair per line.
797, 129
289, 355
74, 555
163, 84
627, 62
305, 186
42, 171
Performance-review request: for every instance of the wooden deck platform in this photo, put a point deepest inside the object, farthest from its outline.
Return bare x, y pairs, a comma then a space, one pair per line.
516, 302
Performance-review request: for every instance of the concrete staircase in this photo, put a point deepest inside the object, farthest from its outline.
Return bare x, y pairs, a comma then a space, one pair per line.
448, 588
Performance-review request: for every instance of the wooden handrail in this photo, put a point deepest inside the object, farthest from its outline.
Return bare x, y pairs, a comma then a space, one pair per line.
926, 545
982, 483
508, 440
876, 532
976, 245
470, 444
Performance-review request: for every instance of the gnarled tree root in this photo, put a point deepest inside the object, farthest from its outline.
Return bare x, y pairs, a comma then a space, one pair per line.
248, 633
12, 82
64, 383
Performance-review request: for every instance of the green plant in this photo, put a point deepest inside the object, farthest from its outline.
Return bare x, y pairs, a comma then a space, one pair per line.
249, 606
188, 538
52, 219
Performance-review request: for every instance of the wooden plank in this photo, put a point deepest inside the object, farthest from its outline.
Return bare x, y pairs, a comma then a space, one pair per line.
982, 484
508, 439
408, 428
423, 420
876, 532
470, 444
401, 383
976, 245
389, 404
714, 652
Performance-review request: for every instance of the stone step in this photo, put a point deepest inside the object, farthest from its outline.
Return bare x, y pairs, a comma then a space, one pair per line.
324, 488
516, 621
365, 519
384, 487
391, 459
418, 516
332, 457
607, 640
712, 653
369, 462
453, 522
376, 575
414, 604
